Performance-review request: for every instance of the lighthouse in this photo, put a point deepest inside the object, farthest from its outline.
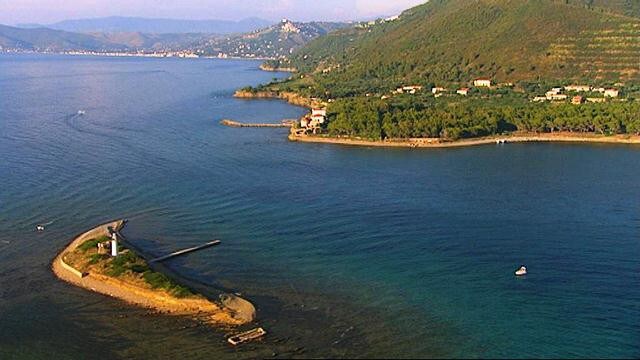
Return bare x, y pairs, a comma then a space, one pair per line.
114, 244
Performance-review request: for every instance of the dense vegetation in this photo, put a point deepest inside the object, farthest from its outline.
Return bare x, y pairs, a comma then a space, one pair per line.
376, 119
455, 41
128, 263
526, 46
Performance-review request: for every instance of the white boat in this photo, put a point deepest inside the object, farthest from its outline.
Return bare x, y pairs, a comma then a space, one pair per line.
40, 228
522, 271
81, 112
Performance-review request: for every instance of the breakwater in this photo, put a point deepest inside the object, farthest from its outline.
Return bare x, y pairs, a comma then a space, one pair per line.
237, 124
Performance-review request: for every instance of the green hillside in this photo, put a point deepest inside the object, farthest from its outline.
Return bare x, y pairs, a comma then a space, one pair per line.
277, 41
454, 41
526, 48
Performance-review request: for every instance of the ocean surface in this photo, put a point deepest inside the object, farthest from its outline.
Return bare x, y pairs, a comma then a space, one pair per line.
346, 252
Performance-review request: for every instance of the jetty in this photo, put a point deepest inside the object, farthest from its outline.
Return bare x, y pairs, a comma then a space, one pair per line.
247, 336
237, 124
185, 251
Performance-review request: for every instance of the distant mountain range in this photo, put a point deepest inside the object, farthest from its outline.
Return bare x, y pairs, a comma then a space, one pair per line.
41, 39
118, 24
276, 41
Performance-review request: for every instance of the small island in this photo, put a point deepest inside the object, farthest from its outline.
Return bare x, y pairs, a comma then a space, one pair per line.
89, 262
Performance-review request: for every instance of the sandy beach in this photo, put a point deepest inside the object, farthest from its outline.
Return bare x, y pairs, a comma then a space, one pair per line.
230, 311
439, 143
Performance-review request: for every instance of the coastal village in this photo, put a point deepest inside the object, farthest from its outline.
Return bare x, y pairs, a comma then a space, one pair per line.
313, 122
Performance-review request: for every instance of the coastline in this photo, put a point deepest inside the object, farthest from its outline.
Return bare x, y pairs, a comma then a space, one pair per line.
290, 97
439, 143
230, 312
264, 67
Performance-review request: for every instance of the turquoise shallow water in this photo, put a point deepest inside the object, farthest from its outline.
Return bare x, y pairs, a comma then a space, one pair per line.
346, 251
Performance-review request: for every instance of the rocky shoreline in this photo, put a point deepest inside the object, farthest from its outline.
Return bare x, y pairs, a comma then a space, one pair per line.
229, 311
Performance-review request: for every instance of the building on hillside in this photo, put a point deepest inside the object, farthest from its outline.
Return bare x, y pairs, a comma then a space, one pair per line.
319, 112
558, 97
554, 93
463, 91
596, 100
612, 93
600, 90
578, 88
482, 82
577, 100
540, 99
412, 89
437, 90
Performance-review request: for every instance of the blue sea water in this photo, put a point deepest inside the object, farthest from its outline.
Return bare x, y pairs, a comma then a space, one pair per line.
346, 252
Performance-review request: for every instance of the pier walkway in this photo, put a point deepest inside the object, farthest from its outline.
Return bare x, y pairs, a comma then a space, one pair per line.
185, 251
232, 123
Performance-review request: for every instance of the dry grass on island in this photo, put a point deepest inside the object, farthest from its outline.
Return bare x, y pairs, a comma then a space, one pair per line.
128, 277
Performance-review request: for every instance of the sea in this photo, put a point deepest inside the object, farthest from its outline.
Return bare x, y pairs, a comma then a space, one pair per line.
345, 251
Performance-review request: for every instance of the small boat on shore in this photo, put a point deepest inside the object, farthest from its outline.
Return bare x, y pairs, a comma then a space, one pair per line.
522, 271
246, 336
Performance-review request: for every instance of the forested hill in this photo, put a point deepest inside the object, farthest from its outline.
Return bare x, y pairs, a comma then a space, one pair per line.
276, 41
453, 41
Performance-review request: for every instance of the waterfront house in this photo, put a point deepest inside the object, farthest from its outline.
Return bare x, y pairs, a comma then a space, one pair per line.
319, 112
612, 93
463, 91
482, 82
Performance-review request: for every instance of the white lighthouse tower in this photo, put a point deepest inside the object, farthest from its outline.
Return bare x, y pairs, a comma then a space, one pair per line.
114, 244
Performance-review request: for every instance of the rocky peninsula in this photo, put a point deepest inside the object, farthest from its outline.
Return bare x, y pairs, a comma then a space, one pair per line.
128, 277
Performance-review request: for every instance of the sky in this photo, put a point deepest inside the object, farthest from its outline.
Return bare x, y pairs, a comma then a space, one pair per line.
49, 11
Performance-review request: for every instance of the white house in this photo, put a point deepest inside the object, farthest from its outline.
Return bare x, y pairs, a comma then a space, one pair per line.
540, 99
438, 89
482, 82
463, 91
319, 112
411, 89
578, 88
612, 93
558, 97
